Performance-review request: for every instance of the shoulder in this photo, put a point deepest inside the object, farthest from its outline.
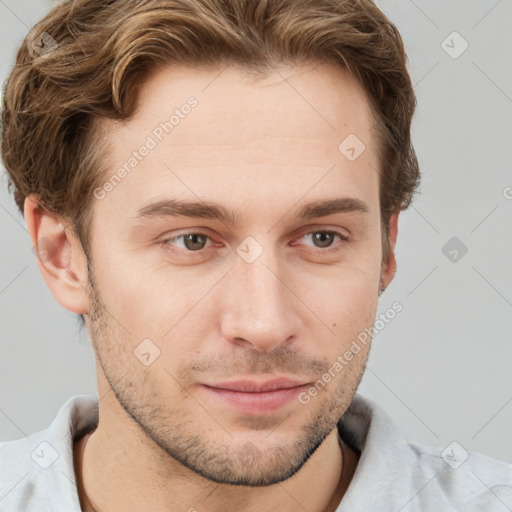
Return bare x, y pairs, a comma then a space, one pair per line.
410, 476
464, 478
37, 471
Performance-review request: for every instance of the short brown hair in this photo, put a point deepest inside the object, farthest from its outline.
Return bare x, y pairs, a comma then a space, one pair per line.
100, 52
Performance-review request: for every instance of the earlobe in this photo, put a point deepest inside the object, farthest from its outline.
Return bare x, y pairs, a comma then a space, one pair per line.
60, 256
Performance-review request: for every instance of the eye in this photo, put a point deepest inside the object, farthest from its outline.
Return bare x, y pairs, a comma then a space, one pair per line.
192, 241
324, 239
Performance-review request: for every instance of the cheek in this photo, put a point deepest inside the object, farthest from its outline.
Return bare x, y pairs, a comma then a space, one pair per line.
348, 289
344, 305
155, 303
351, 315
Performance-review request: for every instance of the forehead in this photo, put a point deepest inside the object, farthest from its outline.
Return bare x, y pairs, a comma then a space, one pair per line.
295, 130
300, 101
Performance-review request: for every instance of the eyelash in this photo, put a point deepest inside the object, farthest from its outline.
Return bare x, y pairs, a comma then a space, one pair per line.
341, 236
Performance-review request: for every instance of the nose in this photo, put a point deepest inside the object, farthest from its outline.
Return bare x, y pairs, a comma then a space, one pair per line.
259, 308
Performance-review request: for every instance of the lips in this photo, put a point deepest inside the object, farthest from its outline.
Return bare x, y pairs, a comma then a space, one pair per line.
248, 386
253, 397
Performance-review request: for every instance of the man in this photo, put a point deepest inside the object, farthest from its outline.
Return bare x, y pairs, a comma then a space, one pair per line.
214, 186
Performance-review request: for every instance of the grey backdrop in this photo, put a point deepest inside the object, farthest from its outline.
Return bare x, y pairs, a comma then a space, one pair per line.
442, 367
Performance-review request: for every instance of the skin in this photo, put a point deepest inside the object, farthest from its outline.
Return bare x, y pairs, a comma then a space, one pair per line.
263, 148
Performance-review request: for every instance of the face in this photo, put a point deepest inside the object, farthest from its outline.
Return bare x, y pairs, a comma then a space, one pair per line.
247, 284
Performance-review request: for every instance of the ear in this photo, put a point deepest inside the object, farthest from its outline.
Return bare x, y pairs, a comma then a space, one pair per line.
60, 256
388, 270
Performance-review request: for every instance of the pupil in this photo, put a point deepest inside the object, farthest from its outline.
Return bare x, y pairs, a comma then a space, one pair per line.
193, 238
319, 238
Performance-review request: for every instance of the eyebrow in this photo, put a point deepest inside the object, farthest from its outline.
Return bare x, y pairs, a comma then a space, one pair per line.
213, 211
